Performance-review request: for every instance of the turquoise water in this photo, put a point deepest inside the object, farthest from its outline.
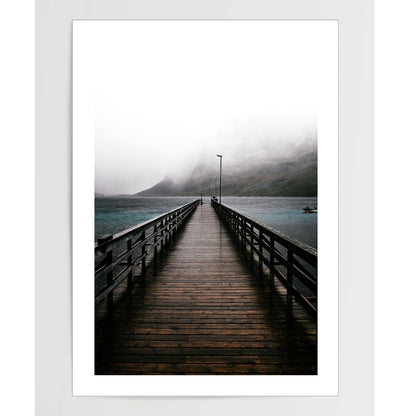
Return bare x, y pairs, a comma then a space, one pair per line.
115, 214
284, 214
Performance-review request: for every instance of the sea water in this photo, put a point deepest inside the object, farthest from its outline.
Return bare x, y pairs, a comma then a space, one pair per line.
115, 214
284, 214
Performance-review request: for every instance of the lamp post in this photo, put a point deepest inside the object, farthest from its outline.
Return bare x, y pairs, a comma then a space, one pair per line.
220, 156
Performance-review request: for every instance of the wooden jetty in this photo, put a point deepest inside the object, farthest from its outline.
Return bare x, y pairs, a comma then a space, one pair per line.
204, 290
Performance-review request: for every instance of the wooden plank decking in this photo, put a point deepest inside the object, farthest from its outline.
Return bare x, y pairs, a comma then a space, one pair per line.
205, 308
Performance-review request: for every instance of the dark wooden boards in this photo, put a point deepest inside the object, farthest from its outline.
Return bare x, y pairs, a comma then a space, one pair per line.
204, 308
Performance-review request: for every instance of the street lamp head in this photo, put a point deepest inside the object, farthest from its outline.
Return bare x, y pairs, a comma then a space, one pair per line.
219, 155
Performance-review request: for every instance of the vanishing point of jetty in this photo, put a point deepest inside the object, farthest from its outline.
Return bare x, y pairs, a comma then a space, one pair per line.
204, 289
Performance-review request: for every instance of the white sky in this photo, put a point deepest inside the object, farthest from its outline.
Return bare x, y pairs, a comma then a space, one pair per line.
165, 90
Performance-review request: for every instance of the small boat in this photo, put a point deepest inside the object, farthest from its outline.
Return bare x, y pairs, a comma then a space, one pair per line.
308, 210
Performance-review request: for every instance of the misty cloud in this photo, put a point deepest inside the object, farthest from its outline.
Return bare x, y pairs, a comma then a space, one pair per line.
169, 93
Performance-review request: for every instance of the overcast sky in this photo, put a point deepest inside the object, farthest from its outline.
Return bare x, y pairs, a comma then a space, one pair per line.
166, 90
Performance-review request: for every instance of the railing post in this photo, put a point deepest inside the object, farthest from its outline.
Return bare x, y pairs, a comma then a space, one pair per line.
129, 262
143, 237
252, 237
170, 228
109, 281
165, 233
162, 234
261, 250
272, 258
155, 240
175, 224
289, 273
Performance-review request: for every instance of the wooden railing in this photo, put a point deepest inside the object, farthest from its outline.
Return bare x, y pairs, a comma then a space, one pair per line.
293, 263
118, 255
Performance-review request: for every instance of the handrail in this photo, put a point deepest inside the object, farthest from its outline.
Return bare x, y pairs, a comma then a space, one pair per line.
117, 255
292, 262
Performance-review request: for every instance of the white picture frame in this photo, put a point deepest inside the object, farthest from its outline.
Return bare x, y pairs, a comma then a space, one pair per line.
54, 122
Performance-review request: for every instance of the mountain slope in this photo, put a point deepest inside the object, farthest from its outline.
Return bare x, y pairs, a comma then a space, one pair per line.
294, 176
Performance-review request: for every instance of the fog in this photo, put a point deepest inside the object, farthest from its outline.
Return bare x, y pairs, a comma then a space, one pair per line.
167, 92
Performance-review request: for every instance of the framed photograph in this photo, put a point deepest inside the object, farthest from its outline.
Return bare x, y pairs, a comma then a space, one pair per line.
212, 250
205, 269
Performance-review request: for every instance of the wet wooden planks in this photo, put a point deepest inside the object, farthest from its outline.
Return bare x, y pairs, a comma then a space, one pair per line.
205, 308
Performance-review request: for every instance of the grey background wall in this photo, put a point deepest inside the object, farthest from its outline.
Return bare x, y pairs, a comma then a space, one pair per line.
53, 205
